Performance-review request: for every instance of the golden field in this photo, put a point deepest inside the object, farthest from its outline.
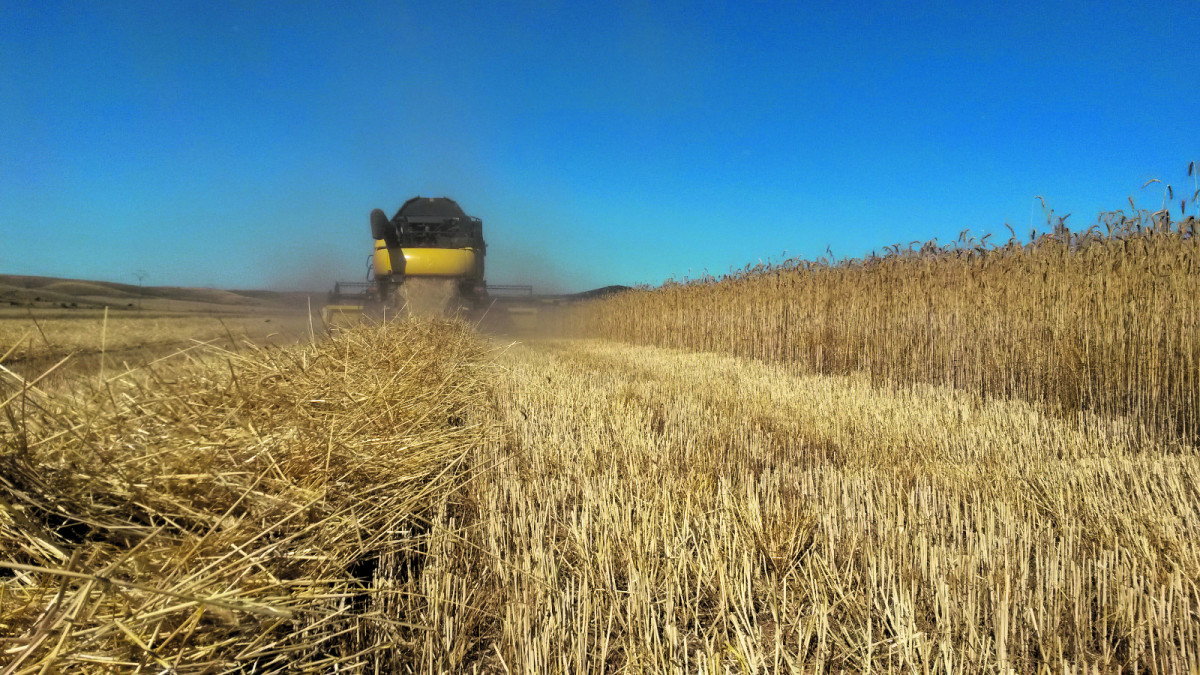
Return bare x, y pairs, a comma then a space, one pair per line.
240, 511
663, 510
966, 459
55, 336
1104, 320
105, 326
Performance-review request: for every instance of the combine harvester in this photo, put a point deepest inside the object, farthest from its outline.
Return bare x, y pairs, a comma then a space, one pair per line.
428, 260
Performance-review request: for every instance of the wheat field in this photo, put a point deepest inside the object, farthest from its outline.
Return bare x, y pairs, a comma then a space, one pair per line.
957, 459
1105, 320
760, 519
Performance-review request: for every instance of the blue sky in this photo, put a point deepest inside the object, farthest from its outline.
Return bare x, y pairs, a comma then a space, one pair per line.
242, 145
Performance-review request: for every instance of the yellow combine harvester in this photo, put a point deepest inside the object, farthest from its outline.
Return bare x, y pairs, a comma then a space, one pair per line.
428, 260
429, 237
430, 242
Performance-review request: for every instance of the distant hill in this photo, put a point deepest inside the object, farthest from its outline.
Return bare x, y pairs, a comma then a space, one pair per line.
52, 292
596, 293
29, 292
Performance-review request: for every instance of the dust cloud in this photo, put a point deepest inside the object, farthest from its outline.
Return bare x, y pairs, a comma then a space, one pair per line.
430, 297
522, 265
310, 271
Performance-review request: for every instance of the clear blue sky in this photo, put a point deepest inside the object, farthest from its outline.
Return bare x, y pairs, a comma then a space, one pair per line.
243, 144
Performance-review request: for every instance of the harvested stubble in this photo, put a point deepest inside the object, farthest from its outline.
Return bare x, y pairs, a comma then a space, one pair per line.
655, 510
30, 337
248, 510
1073, 321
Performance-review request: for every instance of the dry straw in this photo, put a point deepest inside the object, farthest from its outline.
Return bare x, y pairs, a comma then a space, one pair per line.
239, 511
657, 510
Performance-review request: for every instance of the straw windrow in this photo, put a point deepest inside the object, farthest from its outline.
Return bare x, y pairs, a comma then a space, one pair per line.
239, 511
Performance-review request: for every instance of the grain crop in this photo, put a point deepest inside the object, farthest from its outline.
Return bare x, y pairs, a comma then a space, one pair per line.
1105, 320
